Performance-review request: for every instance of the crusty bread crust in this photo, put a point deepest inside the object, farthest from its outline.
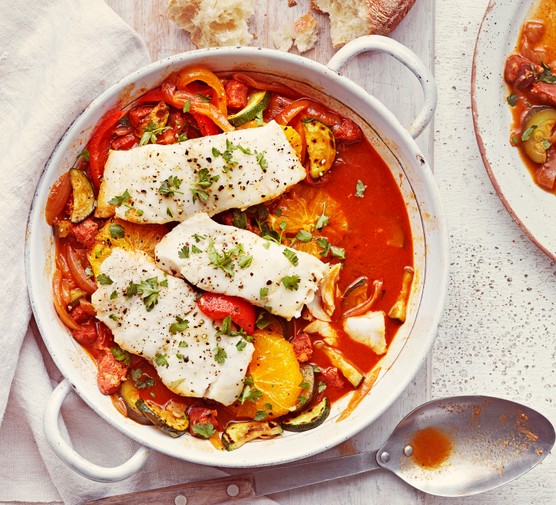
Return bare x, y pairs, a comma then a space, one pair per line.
349, 20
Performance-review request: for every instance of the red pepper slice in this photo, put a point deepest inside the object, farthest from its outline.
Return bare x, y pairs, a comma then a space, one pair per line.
206, 125
218, 306
100, 143
155, 95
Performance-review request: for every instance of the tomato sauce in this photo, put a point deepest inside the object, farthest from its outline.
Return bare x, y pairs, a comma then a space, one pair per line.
374, 232
431, 447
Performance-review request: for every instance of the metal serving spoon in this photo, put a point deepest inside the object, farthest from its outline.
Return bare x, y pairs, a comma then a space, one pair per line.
450, 447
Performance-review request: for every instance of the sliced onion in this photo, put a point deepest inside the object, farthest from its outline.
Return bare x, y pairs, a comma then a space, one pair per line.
57, 198
367, 304
78, 272
58, 303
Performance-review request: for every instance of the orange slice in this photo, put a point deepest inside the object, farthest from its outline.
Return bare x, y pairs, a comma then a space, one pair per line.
274, 371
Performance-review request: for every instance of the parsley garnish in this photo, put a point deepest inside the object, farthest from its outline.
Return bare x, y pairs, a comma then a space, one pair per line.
240, 219
321, 241
121, 355
116, 231
179, 326
183, 343
261, 161
245, 260
84, 154
150, 133
195, 249
304, 236
182, 137
360, 189
263, 293
302, 400
546, 144
262, 322
219, 355
136, 375
183, 253
204, 98
291, 282
226, 326
512, 99
187, 106
104, 280
119, 200
323, 219
205, 430
114, 317
527, 133
160, 360
338, 252
321, 387
204, 181
546, 75
222, 260
113, 295
292, 257
260, 415
250, 394
241, 345
170, 186
148, 290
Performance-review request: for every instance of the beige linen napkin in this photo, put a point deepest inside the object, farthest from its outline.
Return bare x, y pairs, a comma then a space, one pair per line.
55, 57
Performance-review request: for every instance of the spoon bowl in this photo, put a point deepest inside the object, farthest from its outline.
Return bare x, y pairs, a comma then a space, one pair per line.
466, 445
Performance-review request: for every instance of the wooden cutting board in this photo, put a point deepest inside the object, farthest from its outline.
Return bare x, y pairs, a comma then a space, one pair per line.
398, 89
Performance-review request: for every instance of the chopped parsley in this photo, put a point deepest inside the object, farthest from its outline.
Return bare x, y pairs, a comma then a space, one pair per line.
204, 98
241, 345
512, 99
302, 400
84, 154
179, 326
116, 231
338, 252
136, 376
204, 181
121, 355
225, 259
323, 219
151, 132
245, 260
205, 430
263, 293
121, 199
261, 161
261, 323
250, 394
104, 280
304, 236
291, 282
161, 360
546, 144
527, 133
260, 415
114, 317
292, 257
183, 343
322, 242
546, 75
220, 355
170, 186
321, 386
113, 295
195, 249
183, 253
240, 219
360, 189
148, 290
187, 106
182, 137
176, 383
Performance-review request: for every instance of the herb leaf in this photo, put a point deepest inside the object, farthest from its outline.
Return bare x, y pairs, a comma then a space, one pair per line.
291, 282
220, 355
292, 257
512, 99
104, 280
116, 231
179, 326
205, 430
121, 355
527, 133
119, 200
170, 186
360, 189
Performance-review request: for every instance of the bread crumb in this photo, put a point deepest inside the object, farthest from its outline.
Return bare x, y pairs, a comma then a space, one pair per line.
303, 33
215, 23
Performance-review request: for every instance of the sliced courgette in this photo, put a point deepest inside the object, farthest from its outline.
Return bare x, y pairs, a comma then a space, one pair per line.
321, 146
238, 434
130, 396
164, 419
257, 103
309, 419
308, 386
83, 196
339, 361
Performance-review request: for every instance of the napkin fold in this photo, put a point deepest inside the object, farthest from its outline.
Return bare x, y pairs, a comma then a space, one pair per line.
55, 57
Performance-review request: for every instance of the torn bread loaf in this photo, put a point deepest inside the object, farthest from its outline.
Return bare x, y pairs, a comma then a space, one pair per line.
349, 20
303, 33
213, 23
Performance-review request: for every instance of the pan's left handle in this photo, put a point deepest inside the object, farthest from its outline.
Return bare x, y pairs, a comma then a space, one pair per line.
74, 460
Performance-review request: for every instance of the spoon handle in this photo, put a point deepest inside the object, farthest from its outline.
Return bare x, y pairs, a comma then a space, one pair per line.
259, 483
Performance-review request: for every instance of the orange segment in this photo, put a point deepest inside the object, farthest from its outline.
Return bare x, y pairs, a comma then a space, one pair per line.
275, 373
142, 237
301, 208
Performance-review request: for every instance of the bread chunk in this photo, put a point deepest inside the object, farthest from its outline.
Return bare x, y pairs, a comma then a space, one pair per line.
349, 20
213, 23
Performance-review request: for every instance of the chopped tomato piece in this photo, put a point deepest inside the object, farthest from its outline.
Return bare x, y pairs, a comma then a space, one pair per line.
303, 347
201, 417
236, 93
218, 306
206, 125
124, 143
111, 373
86, 334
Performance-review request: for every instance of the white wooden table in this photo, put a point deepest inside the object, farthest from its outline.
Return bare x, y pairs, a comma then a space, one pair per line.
498, 333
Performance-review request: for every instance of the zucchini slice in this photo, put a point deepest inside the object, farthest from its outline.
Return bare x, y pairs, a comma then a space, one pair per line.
321, 146
257, 103
164, 419
83, 196
238, 434
339, 361
130, 396
308, 386
309, 419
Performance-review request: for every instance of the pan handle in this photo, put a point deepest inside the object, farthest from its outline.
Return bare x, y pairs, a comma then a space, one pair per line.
74, 460
407, 58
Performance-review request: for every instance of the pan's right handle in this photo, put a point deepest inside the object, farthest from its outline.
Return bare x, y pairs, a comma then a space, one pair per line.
74, 460
407, 58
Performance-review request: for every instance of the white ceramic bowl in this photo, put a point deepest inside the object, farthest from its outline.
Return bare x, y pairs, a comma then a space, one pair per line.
397, 147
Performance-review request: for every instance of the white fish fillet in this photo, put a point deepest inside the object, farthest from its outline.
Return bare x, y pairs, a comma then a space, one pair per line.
260, 165
188, 365
258, 269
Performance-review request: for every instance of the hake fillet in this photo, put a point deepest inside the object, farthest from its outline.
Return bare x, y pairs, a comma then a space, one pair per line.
195, 362
225, 259
163, 183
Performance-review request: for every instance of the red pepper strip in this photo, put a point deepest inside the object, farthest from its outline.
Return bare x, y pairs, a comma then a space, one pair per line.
155, 95
203, 74
100, 143
291, 111
78, 272
206, 126
59, 304
218, 306
265, 86
366, 305
209, 110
